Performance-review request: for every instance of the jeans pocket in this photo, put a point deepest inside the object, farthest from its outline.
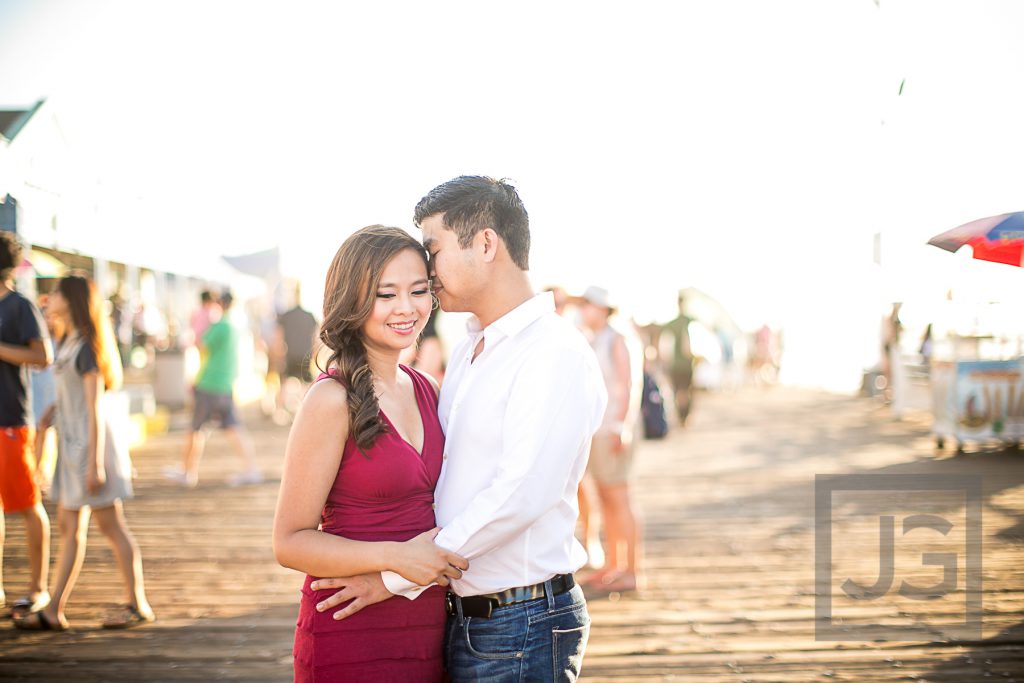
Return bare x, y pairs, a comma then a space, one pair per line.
567, 647
495, 639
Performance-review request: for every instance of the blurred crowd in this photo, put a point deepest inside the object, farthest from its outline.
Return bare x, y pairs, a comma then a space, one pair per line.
653, 372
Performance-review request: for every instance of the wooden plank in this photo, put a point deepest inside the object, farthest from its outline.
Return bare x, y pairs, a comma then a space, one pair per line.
728, 505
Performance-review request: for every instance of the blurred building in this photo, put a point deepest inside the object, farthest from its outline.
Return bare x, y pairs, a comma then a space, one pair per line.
54, 199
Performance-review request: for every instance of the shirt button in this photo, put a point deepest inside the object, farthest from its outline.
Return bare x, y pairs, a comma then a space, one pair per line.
434, 506
444, 457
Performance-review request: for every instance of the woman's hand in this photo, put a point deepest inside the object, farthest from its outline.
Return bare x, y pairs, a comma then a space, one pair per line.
359, 591
39, 474
95, 479
423, 562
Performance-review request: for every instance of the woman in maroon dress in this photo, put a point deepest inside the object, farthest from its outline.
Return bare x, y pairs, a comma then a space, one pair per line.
362, 461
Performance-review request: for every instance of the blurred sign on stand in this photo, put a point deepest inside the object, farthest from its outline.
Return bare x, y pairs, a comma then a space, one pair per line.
978, 400
170, 381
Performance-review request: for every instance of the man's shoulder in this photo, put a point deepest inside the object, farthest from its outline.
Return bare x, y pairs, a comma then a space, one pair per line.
16, 301
21, 308
677, 325
555, 332
554, 339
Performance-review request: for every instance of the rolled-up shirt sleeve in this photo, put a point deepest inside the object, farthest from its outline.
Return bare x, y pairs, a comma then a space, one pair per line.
399, 585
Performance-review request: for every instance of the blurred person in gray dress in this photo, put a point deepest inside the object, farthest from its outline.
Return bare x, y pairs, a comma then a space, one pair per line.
93, 473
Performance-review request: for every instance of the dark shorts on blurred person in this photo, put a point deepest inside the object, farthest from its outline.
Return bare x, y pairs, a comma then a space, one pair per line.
682, 376
219, 407
18, 487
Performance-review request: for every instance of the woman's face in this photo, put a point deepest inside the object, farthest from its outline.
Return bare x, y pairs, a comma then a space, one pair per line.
56, 306
402, 305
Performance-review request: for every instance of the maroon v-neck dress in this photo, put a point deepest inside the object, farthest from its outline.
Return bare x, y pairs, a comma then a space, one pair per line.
385, 495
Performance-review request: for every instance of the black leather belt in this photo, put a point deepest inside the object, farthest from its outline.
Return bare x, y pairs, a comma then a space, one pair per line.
482, 605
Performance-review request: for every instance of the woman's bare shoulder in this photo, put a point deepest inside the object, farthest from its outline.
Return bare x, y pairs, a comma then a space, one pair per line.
326, 397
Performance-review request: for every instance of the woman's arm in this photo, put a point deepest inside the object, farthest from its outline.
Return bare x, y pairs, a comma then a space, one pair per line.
46, 419
95, 474
622, 435
44, 423
312, 458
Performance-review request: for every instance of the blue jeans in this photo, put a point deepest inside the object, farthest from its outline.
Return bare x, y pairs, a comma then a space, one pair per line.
539, 640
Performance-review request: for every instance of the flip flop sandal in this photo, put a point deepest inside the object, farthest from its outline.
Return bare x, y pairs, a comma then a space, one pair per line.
25, 606
127, 616
596, 578
40, 623
620, 584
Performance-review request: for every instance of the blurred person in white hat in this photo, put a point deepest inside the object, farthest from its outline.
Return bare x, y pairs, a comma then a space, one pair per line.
611, 451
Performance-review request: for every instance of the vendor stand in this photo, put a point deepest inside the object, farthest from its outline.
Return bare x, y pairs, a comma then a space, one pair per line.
978, 393
977, 399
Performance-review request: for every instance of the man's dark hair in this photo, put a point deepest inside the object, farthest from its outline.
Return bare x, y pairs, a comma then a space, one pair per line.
226, 299
471, 203
206, 296
10, 253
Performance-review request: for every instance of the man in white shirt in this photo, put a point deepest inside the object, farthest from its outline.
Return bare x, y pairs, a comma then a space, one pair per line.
522, 396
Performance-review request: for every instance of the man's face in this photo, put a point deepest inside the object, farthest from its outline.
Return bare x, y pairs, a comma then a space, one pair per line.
455, 271
593, 317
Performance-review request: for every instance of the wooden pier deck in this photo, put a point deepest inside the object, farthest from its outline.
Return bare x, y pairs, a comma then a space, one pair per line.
729, 511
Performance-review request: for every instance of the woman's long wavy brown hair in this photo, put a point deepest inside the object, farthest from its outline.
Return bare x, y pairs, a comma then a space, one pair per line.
85, 306
349, 297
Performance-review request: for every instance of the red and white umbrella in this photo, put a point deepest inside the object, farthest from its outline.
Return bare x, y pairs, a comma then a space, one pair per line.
998, 238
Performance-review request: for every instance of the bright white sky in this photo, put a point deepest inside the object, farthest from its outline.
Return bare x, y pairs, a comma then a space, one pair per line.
750, 148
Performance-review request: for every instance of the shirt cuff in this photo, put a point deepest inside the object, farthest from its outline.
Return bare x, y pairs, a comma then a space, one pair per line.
399, 585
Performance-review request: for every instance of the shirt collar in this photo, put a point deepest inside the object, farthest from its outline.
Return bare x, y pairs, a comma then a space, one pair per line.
519, 318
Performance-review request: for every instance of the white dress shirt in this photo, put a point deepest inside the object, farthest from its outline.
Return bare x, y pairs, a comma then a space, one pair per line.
518, 422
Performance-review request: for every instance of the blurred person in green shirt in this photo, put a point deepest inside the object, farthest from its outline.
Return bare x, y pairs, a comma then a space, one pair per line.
682, 365
214, 400
218, 373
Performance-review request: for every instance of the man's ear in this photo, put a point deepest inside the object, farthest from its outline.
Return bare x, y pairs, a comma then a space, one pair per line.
489, 243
